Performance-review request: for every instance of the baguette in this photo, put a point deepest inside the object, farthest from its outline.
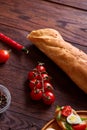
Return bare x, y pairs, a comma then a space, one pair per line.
69, 58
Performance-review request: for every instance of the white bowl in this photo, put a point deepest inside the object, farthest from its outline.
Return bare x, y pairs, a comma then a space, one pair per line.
4, 91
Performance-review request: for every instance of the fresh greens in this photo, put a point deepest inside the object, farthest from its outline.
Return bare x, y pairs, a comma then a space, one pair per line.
84, 119
58, 116
68, 126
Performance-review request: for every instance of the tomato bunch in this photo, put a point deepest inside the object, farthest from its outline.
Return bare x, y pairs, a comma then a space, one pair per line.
40, 85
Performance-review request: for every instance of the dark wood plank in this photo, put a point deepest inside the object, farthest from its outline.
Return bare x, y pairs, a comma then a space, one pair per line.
74, 4
17, 121
17, 19
28, 16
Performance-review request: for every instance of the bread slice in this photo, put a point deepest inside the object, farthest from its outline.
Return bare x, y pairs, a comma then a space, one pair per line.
69, 58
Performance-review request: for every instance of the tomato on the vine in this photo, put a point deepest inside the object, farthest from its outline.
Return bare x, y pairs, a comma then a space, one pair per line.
48, 98
4, 56
31, 75
36, 94
48, 87
34, 83
42, 76
66, 111
38, 77
40, 68
40, 85
45, 76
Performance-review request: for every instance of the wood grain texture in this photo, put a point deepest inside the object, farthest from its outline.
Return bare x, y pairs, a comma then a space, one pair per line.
17, 19
17, 121
28, 16
73, 4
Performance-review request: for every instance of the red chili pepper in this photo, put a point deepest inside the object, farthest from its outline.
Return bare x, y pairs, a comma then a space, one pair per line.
12, 43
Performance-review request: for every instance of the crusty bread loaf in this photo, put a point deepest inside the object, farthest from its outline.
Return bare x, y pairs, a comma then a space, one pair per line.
69, 58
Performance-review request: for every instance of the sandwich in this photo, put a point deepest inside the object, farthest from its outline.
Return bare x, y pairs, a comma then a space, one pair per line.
68, 119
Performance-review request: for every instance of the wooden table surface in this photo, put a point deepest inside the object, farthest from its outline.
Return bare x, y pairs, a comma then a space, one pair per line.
17, 19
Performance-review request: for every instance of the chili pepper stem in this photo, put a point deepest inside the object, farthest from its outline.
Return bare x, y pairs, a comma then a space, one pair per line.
25, 50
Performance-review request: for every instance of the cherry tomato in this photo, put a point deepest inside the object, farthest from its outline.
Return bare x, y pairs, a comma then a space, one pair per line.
40, 67
38, 77
32, 83
31, 75
66, 111
45, 77
79, 127
48, 87
36, 94
38, 84
48, 98
4, 56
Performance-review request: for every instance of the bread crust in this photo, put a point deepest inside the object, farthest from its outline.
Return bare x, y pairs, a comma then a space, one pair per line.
70, 59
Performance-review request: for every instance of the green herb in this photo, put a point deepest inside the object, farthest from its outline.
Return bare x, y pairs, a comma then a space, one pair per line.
68, 126
58, 108
58, 116
83, 119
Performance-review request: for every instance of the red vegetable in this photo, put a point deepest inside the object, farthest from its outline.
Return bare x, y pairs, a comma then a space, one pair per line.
31, 75
48, 98
40, 85
66, 111
45, 76
40, 67
34, 83
79, 127
48, 87
12, 43
4, 56
36, 94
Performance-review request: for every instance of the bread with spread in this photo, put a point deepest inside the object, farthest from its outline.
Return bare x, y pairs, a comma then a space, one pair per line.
69, 58
68, 119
